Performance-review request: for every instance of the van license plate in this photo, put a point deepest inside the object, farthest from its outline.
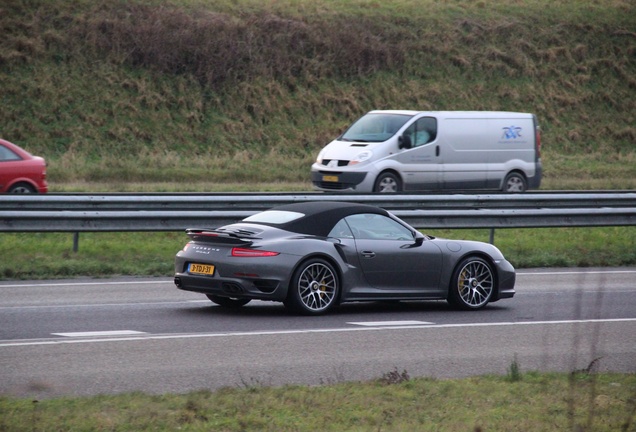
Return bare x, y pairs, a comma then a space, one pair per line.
204, 269
329, 178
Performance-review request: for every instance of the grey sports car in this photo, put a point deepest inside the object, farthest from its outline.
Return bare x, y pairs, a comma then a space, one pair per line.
313, 256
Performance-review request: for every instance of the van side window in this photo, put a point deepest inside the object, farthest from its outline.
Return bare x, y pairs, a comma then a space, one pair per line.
425, 131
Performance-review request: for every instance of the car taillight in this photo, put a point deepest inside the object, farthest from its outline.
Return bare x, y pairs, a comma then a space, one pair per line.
207, 234
252, 253
538, 143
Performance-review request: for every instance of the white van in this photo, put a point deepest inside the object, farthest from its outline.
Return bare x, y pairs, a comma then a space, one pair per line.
395, 151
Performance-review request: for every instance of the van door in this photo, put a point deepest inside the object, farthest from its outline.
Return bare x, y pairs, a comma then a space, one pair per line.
419, 156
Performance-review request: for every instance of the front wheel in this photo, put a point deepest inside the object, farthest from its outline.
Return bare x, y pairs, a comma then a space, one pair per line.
387, 182
228, 302
472, 285
314, 288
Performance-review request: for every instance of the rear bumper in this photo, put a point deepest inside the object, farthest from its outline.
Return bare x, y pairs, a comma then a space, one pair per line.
534, 182
262, 289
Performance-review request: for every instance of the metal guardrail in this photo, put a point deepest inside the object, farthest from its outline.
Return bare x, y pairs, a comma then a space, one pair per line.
87, 221
173, 212
226, 202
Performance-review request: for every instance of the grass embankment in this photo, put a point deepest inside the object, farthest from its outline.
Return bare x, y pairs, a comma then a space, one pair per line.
517, 402
152, 95
248, 91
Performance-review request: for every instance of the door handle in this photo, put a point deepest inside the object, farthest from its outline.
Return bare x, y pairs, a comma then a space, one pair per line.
436, 150
368, 254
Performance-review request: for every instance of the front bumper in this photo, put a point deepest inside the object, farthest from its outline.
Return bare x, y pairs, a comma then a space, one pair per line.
344, 180
507, 277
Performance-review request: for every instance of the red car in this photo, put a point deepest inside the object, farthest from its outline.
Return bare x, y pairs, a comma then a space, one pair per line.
20, 171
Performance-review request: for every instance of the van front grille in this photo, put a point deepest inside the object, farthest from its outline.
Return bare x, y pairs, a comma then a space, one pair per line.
333, 185
341, 163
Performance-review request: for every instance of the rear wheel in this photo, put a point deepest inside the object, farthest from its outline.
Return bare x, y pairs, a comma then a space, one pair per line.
228, 302
472, 285
22, 188
314, 288
388, 182
515, 183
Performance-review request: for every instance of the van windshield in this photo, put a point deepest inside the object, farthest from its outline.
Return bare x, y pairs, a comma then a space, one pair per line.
375, 127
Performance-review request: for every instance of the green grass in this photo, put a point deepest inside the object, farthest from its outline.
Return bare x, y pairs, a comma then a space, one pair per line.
50, 255
249, 91
559, 247
533, 402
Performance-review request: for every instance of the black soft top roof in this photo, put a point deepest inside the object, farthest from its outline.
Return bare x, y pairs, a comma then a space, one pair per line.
321, 216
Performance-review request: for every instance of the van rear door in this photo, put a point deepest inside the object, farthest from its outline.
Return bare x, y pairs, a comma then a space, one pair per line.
513, 142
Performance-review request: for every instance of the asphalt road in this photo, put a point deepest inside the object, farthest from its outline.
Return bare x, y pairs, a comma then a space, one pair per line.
93, 336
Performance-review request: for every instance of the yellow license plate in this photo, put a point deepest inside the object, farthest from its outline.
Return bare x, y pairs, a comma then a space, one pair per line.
204, 269
328, 178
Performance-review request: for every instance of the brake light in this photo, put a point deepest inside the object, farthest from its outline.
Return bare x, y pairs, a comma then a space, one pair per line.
252, 253
538, 143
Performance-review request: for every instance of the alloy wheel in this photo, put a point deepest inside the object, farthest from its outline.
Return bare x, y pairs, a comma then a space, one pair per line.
317, 287
475, 284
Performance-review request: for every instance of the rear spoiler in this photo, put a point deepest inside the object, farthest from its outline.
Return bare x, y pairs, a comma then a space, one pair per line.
217, 236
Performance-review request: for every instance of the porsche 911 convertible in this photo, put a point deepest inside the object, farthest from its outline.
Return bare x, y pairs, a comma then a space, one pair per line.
313, 256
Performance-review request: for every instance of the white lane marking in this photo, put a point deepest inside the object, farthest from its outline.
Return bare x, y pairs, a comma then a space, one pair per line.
146, 336
573, 272
100, 333
82, 305
390, 323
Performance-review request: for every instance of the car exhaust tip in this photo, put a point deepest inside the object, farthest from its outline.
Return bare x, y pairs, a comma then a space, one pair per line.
177, 282
232, 288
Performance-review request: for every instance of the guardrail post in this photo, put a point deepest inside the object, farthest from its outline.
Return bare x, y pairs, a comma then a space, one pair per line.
75, 242
491, 240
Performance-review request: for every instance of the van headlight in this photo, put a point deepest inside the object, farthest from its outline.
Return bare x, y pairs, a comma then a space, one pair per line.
319, 158
361, 157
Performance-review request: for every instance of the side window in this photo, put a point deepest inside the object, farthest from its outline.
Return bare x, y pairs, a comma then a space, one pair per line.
341, 230
7, 155
425, 131
377, 227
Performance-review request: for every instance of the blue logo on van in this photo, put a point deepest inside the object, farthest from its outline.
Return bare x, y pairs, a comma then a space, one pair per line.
512, 132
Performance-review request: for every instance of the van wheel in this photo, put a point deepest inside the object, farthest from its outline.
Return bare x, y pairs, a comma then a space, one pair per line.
387, 182
514, 183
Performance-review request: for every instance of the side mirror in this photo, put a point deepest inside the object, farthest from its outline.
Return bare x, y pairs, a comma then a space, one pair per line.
405, 141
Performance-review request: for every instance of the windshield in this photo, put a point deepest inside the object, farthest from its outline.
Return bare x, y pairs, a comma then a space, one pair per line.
375, 127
